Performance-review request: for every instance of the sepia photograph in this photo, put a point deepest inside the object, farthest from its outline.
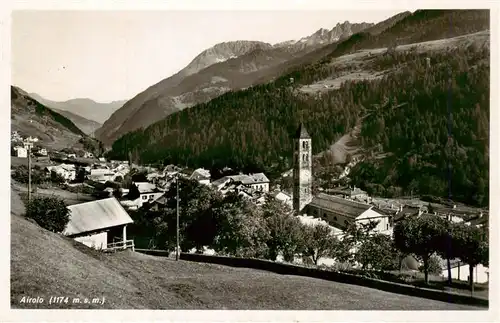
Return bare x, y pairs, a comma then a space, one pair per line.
320, 160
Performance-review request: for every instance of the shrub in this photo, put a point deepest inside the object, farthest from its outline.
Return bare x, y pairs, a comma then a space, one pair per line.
435, 267
20, 174
56, 178
117, 193
49, 212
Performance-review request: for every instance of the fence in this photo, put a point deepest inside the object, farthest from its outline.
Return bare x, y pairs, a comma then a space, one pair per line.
120, 245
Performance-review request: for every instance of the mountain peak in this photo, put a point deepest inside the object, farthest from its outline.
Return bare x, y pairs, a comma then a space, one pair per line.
222, 52
324, 36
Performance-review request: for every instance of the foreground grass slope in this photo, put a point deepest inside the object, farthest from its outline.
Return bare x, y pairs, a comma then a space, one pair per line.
44, 264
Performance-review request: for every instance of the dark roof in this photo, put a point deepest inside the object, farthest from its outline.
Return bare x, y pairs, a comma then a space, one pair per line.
302, 132
347, 191
339, 205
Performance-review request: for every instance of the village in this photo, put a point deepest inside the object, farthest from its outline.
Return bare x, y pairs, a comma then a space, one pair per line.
111, 189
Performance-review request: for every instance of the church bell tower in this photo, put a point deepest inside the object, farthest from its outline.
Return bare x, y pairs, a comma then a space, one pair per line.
302, 169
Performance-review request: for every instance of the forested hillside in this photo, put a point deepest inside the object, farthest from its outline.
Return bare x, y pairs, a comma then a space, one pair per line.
436, 127
433, 120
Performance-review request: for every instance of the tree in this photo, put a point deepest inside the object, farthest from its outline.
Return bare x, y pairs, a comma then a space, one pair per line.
133, 192
242, 229
353, 237
148, 229
421, 236
49, 212
377, 252
56, 178
284, 229
319, 242
198, 219
117, 192
434, 267
140, 177
202, 225
80, 175
473, 248
21, 175
449, 246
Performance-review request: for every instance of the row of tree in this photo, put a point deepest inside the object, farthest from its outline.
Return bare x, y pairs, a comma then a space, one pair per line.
428, 234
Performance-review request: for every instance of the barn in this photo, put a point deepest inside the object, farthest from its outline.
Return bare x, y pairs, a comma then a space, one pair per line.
100, 224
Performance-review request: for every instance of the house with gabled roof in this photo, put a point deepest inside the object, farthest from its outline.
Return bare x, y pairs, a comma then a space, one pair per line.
201, 175
257, 182
148, 193
100, 224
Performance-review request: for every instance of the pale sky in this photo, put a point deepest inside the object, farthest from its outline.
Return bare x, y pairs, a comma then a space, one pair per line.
114, 55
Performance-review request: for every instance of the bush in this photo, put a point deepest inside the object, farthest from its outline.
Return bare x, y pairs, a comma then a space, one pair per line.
435, 267
117, 193
49, 212
20, 174
112, 185
56, 178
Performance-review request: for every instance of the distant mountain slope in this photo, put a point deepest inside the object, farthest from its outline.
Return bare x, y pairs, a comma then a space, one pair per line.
86, 125
31, 118
404, 104
224, 67
388, 23
86, 108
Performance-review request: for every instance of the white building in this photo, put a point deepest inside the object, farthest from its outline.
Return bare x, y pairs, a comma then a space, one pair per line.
201, 175
101, 175
460, 271
15, 136
148, 194
21, 152
42, 152
257, 182
67, 171
88, 155
98, 224
284, 198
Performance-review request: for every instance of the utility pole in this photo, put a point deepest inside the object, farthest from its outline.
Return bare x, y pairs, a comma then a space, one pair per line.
448, 263
28, 145
177, 199
29, 173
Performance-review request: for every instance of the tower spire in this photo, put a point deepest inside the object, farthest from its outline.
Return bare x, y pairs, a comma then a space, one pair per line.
302, 133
